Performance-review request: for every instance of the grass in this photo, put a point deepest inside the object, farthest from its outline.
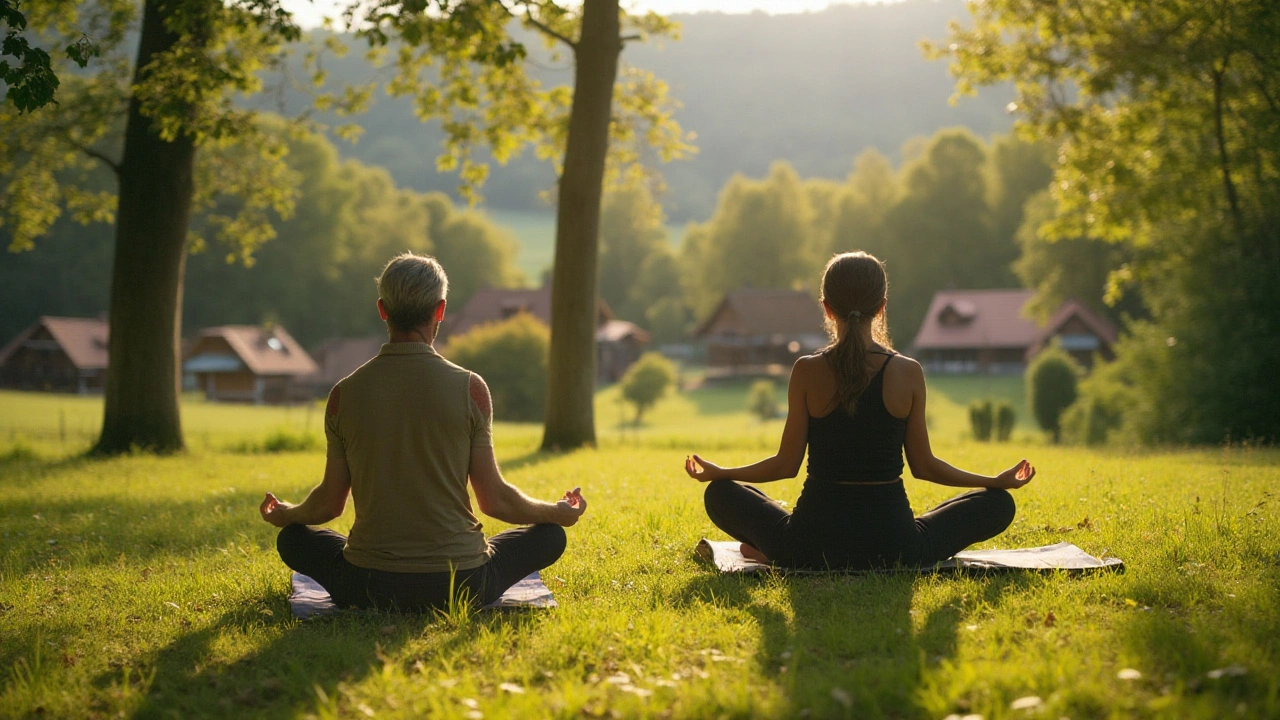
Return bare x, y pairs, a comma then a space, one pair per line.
143, 586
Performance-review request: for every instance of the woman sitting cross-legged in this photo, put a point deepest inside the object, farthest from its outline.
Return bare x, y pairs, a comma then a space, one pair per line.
856, 404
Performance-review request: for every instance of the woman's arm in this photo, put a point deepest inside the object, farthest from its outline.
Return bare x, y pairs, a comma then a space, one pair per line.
325, 502
781, 465
926, 466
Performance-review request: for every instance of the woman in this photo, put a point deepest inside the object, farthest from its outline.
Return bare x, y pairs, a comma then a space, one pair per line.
856, 404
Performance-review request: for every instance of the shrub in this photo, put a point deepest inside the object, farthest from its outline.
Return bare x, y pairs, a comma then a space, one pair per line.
647, 381
1006, 418
280, 440
980, 419
1051, 388
762, 399
511, 356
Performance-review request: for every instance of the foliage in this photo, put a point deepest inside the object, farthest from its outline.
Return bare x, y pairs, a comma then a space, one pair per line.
646, 381
1052, 379
796, 112
981, 420
32, 82
1168, 134
281, 440
762, 400
511, 355
121, 649
632, 234
1006, 419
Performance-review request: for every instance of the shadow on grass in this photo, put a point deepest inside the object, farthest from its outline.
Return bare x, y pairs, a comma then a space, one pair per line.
307, 667
848, 647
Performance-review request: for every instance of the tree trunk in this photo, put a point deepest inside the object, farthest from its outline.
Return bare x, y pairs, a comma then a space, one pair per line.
146, 284
570, 418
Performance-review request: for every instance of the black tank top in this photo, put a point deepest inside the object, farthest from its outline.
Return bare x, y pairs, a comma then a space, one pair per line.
865, 447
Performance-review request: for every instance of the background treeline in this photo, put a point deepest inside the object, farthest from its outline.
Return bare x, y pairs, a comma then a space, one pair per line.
947, 217
814, 89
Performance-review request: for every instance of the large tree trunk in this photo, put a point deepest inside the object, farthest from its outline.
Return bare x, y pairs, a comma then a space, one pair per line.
146, 284
570, 419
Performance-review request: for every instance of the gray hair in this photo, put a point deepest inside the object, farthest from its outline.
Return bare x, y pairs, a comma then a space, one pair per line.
411, 287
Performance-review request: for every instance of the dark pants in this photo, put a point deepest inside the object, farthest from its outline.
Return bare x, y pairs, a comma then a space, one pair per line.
516, 553
856, 526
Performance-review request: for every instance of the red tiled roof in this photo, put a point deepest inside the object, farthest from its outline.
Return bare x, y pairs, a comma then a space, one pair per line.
84, 340
768, 312
1100, 326
339, 357
987, 319
253, 345
494, 304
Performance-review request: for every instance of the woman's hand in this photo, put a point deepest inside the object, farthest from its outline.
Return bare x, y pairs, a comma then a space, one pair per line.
701, 470
1015, 477
571, 507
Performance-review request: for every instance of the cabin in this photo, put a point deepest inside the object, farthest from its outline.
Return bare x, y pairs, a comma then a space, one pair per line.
986, 332
57, 354
761, 332
1081, 332
338, 358
248, 363
619, 343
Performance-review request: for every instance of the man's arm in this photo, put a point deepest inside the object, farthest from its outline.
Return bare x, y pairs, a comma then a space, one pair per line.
503, 501
325, 502
496, 497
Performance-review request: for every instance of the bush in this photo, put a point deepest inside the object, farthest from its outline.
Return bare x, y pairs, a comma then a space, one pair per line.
1051, 388
647, 381
762, 399
280, 440
980, 420
511, 356
1006, 418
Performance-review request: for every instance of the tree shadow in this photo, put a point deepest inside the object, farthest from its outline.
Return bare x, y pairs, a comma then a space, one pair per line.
851, 645
306, 666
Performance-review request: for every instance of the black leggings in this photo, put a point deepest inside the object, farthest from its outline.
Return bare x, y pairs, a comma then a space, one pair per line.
516, 554
856, 526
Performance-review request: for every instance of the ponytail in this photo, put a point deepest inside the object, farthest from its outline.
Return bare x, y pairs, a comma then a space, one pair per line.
853, 288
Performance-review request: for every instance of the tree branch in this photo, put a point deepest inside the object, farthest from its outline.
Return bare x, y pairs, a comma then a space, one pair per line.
1224, 157
542, 27
97, 155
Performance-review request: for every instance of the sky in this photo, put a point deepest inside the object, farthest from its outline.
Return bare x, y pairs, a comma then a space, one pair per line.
309, 12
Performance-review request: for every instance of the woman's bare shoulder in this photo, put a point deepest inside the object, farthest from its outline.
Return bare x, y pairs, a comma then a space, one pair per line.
905, 368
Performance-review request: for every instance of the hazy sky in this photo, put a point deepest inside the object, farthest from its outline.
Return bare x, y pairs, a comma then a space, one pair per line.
309, 13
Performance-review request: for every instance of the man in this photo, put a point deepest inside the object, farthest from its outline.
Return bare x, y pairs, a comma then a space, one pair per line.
405, 431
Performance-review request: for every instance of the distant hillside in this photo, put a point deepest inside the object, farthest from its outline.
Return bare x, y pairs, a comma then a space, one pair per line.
814, 89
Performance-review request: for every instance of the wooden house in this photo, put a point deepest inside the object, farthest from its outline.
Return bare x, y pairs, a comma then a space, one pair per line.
57, 354
618, 342
761, 331
985, 331
247, 363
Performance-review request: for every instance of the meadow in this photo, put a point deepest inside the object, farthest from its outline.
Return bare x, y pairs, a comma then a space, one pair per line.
148, 587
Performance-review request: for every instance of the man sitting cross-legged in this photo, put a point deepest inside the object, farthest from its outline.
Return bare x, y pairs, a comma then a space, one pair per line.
404, 432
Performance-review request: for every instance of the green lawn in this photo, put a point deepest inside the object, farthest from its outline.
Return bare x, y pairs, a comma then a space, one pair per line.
148, 586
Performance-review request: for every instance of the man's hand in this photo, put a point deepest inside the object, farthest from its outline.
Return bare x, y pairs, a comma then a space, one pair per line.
274, 511
1015, 477
571, 507
701, 470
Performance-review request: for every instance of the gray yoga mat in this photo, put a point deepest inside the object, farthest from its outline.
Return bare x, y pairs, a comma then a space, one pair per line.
310, 600
727, 558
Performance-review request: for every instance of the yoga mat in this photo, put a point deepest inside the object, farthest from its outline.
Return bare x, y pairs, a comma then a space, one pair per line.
727, 558
310, 600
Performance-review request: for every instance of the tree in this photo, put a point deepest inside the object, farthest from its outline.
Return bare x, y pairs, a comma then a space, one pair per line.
511, 355
173, 100
477, 83
762, 400
631, 232
1051, 388
1006, 418
981, 419
646, 381
1167, 129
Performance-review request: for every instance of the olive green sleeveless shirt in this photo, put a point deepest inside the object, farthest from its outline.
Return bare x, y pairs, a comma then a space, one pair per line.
405, 423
